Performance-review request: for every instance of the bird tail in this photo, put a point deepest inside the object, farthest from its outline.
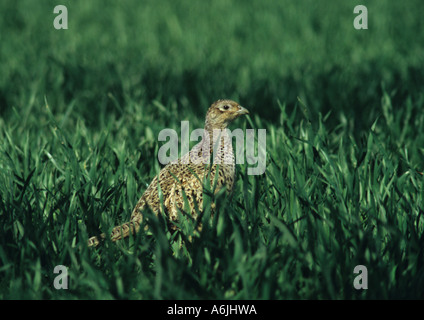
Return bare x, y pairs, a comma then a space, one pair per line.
118, 233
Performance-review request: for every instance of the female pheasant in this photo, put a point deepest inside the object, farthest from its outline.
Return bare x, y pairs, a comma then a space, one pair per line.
186, 176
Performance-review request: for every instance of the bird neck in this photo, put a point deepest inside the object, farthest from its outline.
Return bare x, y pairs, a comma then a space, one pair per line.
217, 141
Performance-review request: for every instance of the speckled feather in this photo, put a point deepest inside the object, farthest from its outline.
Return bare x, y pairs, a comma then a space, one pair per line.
187, 174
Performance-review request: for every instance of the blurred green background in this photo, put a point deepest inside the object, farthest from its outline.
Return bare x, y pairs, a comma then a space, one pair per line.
195, 52
80, 112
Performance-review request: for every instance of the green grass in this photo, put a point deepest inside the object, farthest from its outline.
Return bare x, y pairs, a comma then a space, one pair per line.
80, 113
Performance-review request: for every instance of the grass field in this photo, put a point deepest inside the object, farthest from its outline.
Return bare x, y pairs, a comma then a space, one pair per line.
80, 113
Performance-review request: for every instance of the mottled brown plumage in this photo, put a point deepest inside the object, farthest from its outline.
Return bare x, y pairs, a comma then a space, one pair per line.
187, 174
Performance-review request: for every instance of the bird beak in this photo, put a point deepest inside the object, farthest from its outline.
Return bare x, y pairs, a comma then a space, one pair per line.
242, 111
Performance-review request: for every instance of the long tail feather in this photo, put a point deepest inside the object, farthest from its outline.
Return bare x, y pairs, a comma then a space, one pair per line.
118, 233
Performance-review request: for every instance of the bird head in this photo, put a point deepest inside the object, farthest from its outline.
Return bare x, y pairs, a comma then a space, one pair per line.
222, 112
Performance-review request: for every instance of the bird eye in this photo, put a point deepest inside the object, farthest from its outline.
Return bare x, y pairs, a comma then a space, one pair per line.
226, 107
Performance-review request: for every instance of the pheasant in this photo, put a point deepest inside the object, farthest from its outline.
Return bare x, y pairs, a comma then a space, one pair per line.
186, 175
